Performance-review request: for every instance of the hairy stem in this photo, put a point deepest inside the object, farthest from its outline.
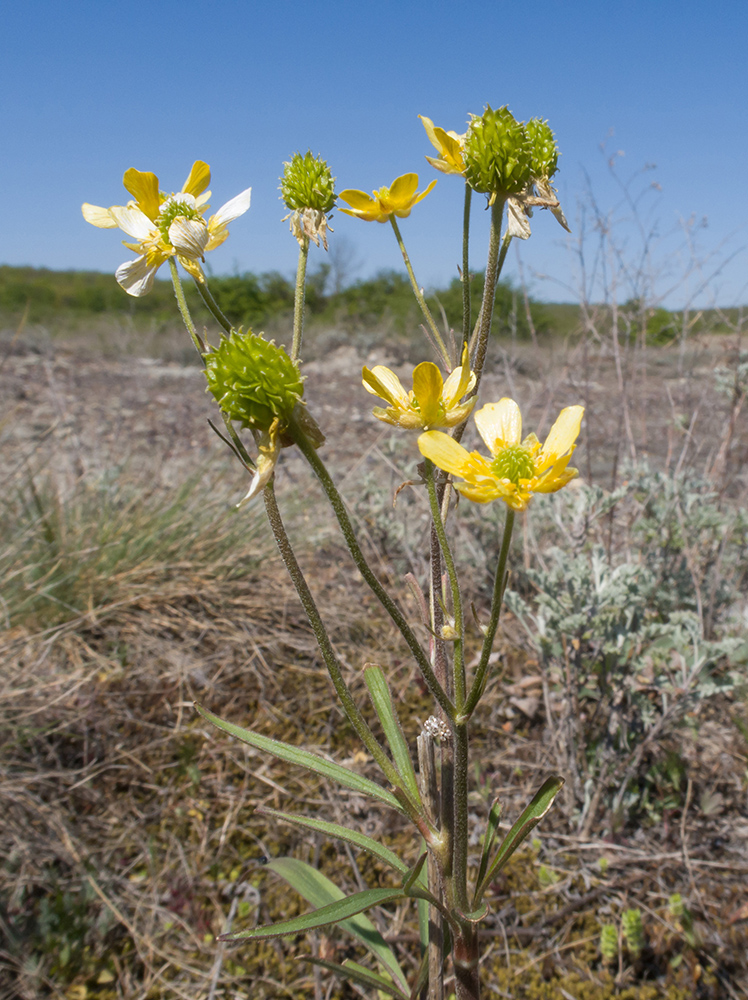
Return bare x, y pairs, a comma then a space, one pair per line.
213, 307
197, 340
493, 270
298, 302
336, 502
465, 265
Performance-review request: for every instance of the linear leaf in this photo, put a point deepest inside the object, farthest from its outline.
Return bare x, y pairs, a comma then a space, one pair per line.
489, 838
303, 758
360, 974
382, 700
322, 893
539, 805
359, 840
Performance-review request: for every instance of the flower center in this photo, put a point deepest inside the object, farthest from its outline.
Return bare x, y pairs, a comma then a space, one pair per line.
177, 205
513, 463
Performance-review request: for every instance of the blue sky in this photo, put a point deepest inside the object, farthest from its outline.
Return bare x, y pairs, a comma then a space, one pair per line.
92, 88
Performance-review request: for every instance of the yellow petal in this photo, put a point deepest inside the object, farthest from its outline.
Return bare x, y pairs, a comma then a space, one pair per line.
359, 200
403, 189
499, 424
429, 126
97, 216
382, 382
198, 179
423, 193
445, 452
427, 388
562, 436
460, 381
143, 186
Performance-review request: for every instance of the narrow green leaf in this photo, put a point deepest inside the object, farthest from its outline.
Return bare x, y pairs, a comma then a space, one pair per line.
415, 875
489, 838
318, 890
359, 840
531, 816
423, 923
361, 975
382, 701
303, 758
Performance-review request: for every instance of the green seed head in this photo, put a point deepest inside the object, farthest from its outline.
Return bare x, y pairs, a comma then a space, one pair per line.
253, 380
182, 205
307, 183
513, 463
544, 148
497, 154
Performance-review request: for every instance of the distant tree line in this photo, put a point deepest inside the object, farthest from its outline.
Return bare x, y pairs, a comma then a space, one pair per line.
255, 300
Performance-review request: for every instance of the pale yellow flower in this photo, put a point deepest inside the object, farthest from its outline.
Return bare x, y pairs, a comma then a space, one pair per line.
516, 468
448, 145
431, 402
398, 199
165, 226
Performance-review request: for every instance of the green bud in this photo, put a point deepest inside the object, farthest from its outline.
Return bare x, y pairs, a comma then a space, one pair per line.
497, 154
253, 380
609, 942
544, 148
307, 183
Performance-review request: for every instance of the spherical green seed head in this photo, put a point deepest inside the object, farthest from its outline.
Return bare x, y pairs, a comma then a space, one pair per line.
253, 380
544, 148
307, 183
497, 154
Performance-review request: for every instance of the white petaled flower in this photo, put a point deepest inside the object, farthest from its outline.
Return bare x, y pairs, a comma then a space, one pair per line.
165, 226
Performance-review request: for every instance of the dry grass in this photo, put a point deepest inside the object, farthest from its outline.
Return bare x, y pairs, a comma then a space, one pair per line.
130, 837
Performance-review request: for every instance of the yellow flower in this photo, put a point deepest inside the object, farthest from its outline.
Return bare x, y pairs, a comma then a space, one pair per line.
449, 146
165, 226
517, 468
398, 199
432, 402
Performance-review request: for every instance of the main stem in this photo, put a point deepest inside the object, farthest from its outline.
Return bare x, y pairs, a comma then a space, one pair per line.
213, 307
466, 264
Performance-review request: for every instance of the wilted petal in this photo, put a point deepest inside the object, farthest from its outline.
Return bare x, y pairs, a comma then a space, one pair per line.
517, 222
267, 458
132, 221
189, 237
136, 276
100, 217
233, 209
499, 424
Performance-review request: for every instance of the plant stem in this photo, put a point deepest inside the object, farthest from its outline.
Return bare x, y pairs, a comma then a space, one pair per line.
434, 330
213, 307
298, 302
454, 583
498, 596
352, 710
197, 340
336, 502
465, 265
493, 269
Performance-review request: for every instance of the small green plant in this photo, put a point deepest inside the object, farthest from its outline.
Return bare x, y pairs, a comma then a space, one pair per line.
633, 932
609, 943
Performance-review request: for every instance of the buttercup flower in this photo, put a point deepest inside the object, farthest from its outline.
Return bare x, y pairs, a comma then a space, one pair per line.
449, 146
516, 468
166, 226
432, 402
398, 199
